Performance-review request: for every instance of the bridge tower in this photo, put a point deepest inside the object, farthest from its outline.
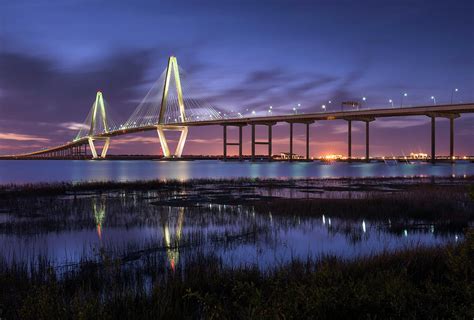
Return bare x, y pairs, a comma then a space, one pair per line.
172, 71
98, 112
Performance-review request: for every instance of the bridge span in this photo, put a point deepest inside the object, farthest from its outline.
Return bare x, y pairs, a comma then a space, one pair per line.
162, 113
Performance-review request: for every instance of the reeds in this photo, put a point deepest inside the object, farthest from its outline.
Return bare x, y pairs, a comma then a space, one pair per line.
425, 283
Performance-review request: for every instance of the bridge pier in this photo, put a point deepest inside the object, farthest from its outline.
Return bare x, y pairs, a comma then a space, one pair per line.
433, 139
451, 139
367, 137
349, 140
225, 144
306, 123
268, 142
291, 141
307, 140
105, 148
253, 143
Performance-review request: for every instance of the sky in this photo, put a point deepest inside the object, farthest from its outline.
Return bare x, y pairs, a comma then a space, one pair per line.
242, 55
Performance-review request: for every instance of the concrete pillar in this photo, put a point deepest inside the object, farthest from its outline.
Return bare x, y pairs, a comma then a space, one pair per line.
240, 143
253, 142
451, 139
349, 140
367, 135
225, 142
270, 142
433, 139
307, 141
291, 141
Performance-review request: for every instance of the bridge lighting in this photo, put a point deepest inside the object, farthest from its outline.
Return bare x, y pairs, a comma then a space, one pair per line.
452, 94
253, 111
434, 99
391, 102
323, 107
364, 98
299, 104
329, 101
403, 95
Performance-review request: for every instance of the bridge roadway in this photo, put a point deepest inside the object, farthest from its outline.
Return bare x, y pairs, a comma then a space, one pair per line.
450, 111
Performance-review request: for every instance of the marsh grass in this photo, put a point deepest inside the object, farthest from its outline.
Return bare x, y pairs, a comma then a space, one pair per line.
420, 283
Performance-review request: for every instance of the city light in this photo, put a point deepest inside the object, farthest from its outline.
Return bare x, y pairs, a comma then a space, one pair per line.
403, 95
452, 94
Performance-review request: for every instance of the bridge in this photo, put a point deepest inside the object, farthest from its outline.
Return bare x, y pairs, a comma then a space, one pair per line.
164, 108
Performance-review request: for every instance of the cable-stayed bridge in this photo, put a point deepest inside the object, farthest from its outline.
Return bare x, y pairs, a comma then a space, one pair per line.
165, 108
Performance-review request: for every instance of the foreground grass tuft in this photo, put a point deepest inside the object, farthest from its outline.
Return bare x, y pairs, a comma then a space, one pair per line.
420, 283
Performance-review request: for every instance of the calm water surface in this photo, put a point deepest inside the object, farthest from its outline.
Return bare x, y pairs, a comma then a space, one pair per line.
24, 171
119, 225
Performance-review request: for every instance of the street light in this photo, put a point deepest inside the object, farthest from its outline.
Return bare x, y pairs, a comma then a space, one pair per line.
324, 107
253, 111
452, 94
294, 110
403, 95
391, 102
434, 99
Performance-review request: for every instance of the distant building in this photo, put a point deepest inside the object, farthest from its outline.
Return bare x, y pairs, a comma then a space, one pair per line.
288, 156
419, 155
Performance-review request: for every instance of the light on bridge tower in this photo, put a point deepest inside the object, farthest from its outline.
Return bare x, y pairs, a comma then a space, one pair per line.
98, 111
172, 70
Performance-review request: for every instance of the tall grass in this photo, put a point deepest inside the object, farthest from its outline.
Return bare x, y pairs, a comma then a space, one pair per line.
420, 283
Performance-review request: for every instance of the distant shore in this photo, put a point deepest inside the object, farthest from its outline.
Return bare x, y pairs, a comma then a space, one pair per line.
258, 158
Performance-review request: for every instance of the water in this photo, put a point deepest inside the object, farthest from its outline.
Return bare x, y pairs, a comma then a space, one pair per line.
122, 224
24, 171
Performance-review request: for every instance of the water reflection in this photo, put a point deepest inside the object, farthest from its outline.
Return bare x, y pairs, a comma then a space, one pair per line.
70, 229
98, 208
172, 235
25, 171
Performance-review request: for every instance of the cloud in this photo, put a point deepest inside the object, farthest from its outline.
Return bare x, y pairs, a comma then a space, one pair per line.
399, 124
75, 126
22, 137
125, 140
342, 128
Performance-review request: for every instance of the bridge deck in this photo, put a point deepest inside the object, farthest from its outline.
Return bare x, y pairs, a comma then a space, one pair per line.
433, 110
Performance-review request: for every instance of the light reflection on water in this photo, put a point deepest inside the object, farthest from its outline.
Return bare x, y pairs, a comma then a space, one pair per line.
25, 171
236, 234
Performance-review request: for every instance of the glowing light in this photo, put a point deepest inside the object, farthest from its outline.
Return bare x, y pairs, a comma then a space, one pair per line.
331, 157
419, 155
363, 226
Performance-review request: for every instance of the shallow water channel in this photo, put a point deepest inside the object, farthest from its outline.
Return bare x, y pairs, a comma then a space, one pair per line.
133, 225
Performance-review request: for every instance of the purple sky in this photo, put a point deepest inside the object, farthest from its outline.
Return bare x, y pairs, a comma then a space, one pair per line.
55, 54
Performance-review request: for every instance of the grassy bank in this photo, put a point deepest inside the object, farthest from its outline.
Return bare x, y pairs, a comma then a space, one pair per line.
421, 283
